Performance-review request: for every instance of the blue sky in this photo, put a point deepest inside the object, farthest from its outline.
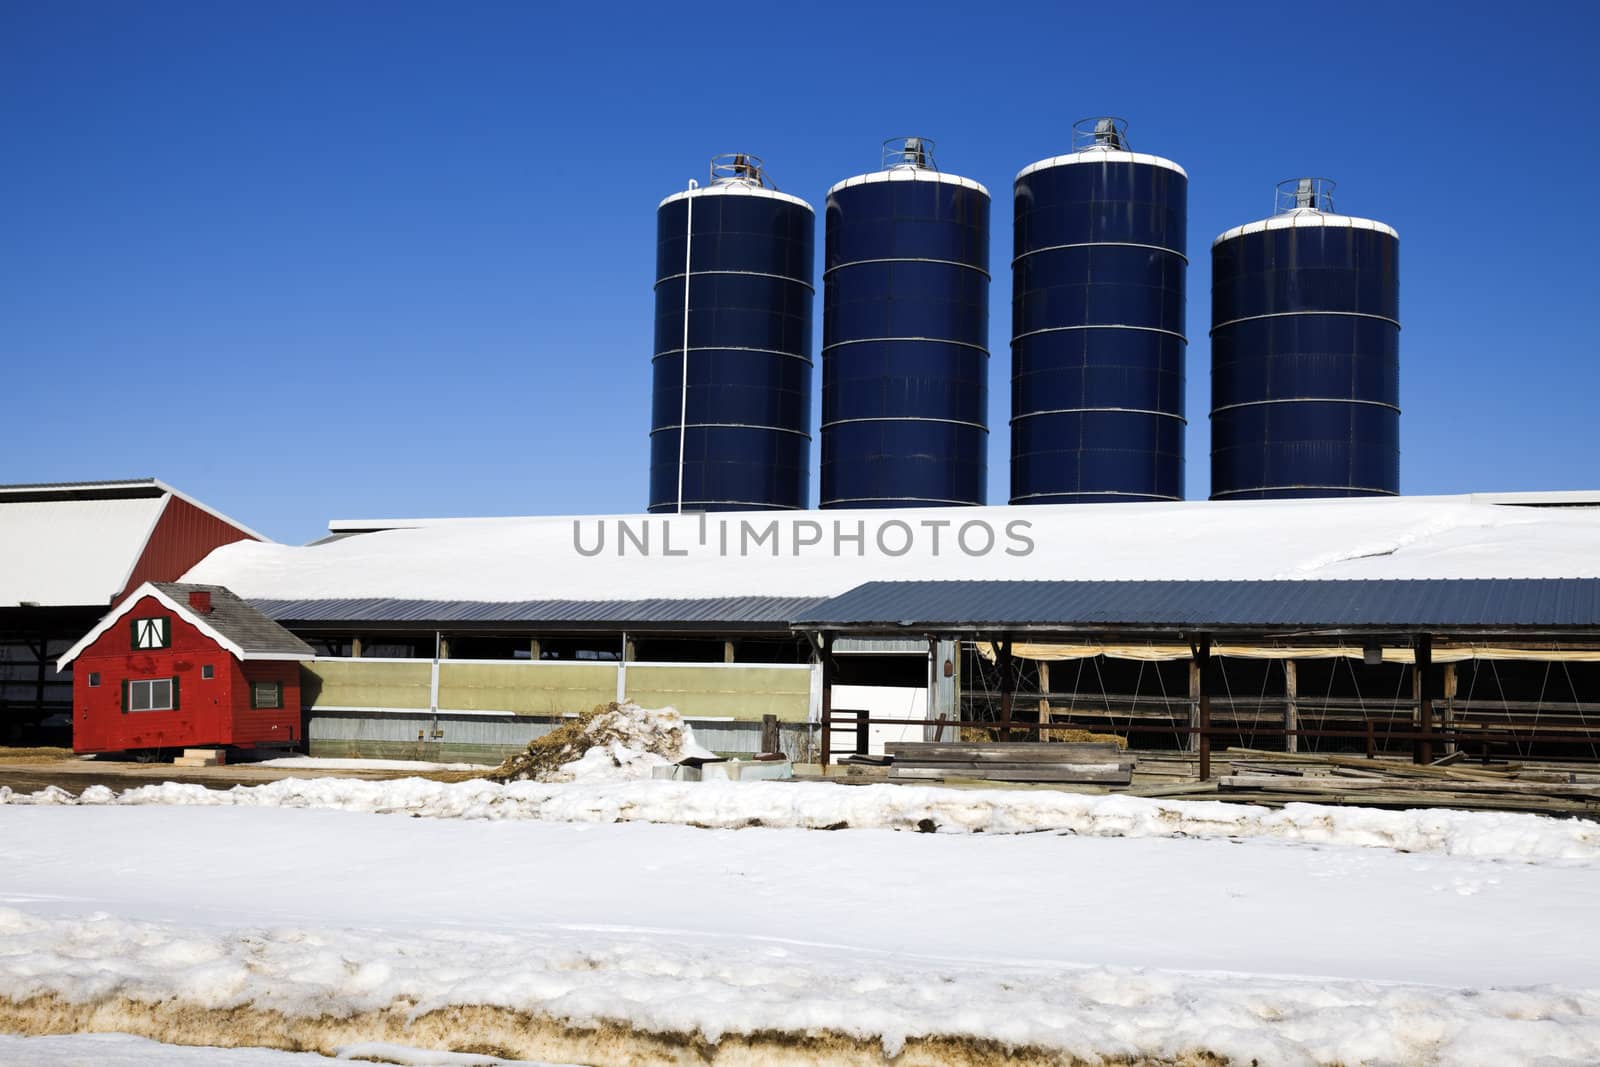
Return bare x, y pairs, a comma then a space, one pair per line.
315, 260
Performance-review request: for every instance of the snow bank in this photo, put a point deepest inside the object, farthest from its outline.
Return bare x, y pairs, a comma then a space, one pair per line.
614, 742
825, 806
718, 992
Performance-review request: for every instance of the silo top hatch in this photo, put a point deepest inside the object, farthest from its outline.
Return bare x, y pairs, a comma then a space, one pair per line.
1101, 140
1304, 202
908, 159
737, 174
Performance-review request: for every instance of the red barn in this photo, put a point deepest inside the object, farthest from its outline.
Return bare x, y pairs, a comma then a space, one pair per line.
185, 666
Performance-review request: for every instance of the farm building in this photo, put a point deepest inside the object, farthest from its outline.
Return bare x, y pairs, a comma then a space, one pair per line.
1315, 623
67, 553
176, 666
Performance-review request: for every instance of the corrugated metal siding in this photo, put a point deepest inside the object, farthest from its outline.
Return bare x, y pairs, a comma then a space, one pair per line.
183, 536
710, 611
491, 739
1487, 603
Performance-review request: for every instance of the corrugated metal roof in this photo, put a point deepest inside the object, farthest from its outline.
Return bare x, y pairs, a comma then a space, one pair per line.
1444, 603
71, 551
672, 613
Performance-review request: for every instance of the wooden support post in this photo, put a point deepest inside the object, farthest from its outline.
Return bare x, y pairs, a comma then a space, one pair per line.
1423, 751
1202, 661
1291, 706
1447, 714
535, 650
444, 647
1191, 740
769, 734
355, 646
1007, 685
863, 732
727, 651
827, 701
1044, 699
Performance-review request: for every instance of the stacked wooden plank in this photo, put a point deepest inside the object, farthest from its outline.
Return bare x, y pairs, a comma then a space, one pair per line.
1278, 778
1091, 762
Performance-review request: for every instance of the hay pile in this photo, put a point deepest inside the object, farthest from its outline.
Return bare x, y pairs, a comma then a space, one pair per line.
609, 741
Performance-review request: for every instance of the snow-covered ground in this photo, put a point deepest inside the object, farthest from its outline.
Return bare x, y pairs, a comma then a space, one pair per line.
1118, 927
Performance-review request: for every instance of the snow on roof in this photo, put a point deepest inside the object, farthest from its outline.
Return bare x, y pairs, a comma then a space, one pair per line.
1303, 217
1101, 155
824, 553
66, 544
57, 553
736, 189
231, 623
908, 174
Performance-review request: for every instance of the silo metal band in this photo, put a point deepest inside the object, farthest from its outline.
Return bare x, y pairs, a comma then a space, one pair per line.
1098, 409
906, 418
1098, 492
1101, 326
1100, 244
1308, 311
732, 348
931, 340
737, 273
1307, 400
907, 259
1372, 490
732, 426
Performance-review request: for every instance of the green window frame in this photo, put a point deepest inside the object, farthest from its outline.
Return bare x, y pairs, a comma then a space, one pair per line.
266, 695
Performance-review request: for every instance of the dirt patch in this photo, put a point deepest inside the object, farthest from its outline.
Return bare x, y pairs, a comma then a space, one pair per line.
35, 755
512, 1034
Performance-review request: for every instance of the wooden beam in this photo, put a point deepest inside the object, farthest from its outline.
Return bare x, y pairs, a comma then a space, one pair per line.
1423, 751
1191, 740
1007, 686
826, 654
1291, 705
1202, 663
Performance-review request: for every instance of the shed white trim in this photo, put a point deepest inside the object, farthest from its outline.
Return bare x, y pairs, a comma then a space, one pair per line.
183, 610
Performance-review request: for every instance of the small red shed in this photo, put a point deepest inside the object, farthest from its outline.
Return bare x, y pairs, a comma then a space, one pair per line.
183, 666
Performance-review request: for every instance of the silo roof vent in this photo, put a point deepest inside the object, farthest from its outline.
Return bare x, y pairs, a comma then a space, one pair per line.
1304, 194
1100, 131
740, 168
914, 152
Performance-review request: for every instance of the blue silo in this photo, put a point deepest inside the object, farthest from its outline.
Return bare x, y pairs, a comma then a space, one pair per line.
905, 347
1097, 328
739, 437
1305, 353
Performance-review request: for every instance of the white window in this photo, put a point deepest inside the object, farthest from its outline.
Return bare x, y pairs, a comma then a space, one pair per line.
152, 694
266, 695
